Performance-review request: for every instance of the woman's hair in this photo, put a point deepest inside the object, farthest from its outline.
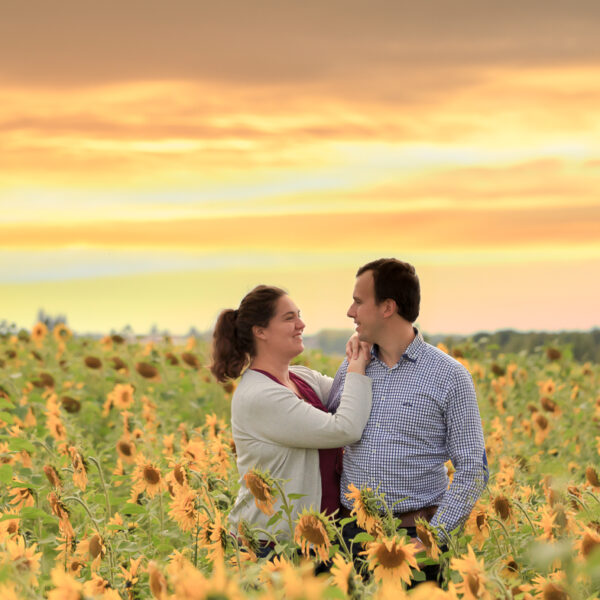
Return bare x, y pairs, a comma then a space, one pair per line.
233, 340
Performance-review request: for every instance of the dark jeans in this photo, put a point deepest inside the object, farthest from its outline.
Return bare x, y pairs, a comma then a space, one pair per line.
351, 530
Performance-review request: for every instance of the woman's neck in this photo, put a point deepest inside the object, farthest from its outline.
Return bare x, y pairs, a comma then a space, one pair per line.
277, 368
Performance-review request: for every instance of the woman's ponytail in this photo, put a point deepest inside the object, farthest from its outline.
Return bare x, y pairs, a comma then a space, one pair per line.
233, 340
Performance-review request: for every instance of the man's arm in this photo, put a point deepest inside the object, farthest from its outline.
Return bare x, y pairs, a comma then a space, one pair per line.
466, 449
337, 387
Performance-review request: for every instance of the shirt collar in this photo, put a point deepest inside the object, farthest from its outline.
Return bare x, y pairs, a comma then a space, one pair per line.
412, 352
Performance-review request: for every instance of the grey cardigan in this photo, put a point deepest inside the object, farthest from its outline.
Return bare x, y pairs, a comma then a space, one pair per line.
278, 432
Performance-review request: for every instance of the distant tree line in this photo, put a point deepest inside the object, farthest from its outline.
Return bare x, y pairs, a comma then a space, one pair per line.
584, 346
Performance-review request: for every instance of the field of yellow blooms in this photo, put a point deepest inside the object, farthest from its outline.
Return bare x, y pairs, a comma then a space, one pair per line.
117, 473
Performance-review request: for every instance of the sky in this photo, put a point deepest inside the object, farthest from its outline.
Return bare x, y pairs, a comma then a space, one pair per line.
159, 159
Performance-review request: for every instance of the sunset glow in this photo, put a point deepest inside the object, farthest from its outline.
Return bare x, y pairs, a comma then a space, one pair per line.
153, 176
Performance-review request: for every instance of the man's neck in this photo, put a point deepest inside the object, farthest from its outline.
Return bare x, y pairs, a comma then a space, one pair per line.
394, 344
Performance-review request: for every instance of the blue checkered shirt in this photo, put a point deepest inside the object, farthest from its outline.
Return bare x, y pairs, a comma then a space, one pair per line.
424, 413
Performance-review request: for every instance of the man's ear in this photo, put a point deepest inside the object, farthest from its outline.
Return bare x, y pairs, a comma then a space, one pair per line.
258, 332
389, 307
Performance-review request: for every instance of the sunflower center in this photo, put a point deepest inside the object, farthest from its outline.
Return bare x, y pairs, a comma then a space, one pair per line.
554, 592
314, 532
151, 475
390, 558
125, 448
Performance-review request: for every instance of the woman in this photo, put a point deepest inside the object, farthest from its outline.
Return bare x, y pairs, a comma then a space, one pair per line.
279, 415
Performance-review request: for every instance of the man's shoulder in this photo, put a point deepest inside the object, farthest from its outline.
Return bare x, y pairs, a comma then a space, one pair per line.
433, 356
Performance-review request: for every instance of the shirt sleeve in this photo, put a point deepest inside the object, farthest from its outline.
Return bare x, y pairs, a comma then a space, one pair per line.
466, 449
335, 393
278, 415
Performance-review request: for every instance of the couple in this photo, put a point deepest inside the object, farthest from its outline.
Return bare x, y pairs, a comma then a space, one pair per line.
401, 408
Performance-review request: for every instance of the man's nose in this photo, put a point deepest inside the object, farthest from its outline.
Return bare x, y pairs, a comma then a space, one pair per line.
351, 312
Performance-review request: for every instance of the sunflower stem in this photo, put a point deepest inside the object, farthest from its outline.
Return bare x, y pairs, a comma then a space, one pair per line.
286, 506
103, 482
89, 512
507, 536
162, 518
522, 509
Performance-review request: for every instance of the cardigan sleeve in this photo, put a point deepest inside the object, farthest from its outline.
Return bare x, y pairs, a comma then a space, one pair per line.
275, 414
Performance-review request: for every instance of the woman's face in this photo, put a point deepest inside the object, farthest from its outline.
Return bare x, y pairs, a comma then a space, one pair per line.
283, 334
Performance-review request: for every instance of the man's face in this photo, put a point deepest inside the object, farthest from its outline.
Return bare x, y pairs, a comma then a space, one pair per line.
366, 313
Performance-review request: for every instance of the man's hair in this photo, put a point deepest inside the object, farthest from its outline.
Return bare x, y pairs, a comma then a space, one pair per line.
398, 281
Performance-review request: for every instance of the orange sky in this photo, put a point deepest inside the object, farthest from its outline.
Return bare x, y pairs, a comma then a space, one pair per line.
159, 160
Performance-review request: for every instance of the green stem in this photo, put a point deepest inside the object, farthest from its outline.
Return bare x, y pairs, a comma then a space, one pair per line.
97, 463
286, 507
162, 518
89, 512
522, 509
507, 536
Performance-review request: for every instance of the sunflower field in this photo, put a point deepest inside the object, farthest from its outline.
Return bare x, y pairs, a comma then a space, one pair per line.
117, 472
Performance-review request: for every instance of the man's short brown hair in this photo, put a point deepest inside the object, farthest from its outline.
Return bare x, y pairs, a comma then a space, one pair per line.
398, 281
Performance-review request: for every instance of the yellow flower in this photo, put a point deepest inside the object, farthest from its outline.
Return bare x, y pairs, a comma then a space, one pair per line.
158, 583
8, 527
428, 540
25, 560
183, 509
22, 496
127, 450
7, 591
592, 477
147, 477
392, 558
61, 332
79, 468
39, 332
588, 543
122, 396
473, 576
502, 507
343, 575
66, 587
313, 532
550, 588
261, 487
366, 509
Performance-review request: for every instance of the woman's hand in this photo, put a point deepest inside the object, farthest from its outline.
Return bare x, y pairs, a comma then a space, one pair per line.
360, 356
353, 347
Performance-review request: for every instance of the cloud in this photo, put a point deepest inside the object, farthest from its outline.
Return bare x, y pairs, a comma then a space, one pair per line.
343, 43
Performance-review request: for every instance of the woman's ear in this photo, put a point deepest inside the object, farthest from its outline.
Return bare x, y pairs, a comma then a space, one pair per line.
258, 332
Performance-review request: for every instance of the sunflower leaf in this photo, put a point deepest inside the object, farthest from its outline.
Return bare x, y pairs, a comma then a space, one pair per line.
6, 473
362, 537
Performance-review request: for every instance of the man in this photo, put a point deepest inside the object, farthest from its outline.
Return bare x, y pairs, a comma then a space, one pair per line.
424, 411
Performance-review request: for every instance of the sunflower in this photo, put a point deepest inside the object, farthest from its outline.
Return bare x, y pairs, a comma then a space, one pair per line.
130, 576
118, 364
61, 511
428, 539
92, 362
8, 527
391, 558
314, 532
550, 588
7, 591
122, 396
66, 587
61, 332
22, 496
52, 476
183, 509
592, 477
190, 360
147, 477
248, 538
158, 583
261, 486
79, 468
146, 370
39, 332
343, 575
71, 405
588, 543
25, 560
473, 576
127, 450
366, 509
502, 507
